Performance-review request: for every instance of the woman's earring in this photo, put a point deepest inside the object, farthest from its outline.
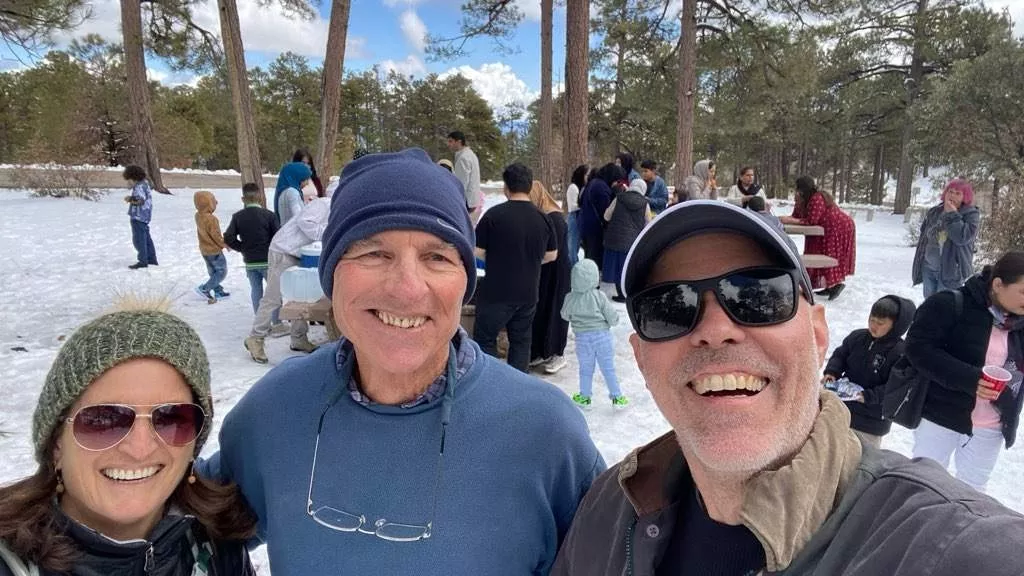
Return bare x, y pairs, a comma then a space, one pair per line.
60, 482
192, 473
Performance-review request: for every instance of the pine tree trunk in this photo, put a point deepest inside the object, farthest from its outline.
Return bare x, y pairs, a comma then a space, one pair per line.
577, 15
249, 163
544, 136
330, 88
878, 176
905, 179
687, 90
145, 154
618, 111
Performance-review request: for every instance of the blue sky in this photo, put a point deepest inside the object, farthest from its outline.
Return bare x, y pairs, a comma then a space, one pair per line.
387, 33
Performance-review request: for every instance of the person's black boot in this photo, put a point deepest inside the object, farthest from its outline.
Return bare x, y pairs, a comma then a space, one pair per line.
834, 291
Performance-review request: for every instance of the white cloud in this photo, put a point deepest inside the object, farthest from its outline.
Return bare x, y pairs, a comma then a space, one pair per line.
264, 29
172, 79
411, 66
396, 3
414, 29
1016, 10
529, 8
497, 84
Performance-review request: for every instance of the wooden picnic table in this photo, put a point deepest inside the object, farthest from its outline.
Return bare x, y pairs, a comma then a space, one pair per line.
800, 230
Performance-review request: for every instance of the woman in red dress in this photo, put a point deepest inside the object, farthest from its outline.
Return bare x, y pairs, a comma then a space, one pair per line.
816, 208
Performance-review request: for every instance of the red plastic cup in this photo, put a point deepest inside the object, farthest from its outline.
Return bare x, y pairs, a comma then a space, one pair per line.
997, 376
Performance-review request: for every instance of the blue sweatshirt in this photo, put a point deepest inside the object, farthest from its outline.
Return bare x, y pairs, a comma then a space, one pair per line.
518, 459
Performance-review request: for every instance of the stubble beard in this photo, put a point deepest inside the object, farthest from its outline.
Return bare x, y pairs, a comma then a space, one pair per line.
700, 437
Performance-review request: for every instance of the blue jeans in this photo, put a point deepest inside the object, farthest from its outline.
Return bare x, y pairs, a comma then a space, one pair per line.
597, 346
143, 243
573, 240
257, 276
217, 268
932, 282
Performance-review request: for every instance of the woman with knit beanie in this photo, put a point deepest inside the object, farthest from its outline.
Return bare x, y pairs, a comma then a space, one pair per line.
123, 413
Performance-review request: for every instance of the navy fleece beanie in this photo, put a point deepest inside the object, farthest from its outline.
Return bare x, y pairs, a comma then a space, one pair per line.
397, 191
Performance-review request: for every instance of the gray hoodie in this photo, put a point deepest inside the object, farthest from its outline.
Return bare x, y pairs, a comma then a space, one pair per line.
957, 232
586, 308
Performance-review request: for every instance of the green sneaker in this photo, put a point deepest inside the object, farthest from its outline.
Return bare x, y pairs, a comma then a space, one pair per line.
581, 400
620, 402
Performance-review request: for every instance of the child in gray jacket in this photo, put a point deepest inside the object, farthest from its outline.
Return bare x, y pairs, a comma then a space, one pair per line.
591, 316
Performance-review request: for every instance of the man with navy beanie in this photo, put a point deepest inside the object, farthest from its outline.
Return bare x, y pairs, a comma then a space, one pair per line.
402, 448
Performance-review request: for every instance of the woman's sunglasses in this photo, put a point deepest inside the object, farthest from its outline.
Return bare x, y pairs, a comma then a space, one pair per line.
103, 426
759, 296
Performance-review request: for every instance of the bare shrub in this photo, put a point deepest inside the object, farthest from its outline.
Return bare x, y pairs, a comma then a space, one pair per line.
57, 182
1003, 229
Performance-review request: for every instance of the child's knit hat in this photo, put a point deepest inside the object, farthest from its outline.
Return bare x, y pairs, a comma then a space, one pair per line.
108, 341
397, 191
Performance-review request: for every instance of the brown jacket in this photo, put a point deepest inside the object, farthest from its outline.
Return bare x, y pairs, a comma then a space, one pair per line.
211, 240
835, 509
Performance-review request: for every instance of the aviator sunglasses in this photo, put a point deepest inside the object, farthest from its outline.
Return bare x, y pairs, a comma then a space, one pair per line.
759, 296
103, 426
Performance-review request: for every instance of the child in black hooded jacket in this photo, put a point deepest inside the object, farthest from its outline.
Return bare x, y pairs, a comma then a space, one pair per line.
865, 357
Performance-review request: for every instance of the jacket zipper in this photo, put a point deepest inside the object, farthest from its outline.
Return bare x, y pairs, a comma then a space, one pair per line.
149, 560
629, 546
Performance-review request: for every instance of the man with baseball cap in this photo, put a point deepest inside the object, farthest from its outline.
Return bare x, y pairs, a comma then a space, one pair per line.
403, 448
761, 472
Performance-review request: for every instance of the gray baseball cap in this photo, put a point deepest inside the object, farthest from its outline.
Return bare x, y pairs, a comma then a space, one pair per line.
695, 217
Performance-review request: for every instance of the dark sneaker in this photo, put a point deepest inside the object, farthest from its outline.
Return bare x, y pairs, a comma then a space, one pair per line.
207, 294
138, 265
221, 295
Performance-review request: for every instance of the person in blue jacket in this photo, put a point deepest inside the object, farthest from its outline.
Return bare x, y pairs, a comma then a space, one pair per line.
657, 191
402, 448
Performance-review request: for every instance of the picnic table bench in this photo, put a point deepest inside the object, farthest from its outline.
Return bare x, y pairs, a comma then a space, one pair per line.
812, 260
319, 311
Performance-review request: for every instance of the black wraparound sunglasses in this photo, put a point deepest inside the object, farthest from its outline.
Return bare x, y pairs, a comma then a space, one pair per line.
758, 296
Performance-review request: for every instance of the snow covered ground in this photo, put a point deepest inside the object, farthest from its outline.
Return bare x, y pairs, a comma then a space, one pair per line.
66, 260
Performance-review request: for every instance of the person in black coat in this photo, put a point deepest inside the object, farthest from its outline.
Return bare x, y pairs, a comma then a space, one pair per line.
962, 413
250, 232
866, 357
594, 200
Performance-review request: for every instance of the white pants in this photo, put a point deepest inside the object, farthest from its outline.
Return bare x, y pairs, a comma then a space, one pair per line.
975, 455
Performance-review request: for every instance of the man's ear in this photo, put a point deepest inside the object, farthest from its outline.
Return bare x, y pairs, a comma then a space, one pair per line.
819, 325
636, 343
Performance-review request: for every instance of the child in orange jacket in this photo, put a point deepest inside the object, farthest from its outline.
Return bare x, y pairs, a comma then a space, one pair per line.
211, 246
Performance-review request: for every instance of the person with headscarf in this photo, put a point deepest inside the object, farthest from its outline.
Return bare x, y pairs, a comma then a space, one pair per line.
303, 155
288, 192
700, 186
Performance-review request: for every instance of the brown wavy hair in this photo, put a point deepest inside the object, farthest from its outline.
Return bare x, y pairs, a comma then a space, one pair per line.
31, 528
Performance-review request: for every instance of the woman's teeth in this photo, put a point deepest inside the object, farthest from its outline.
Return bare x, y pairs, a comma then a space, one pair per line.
740, 383
124, 475
400, 322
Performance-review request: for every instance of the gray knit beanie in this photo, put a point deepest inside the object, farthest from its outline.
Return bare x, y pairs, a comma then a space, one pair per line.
108, 341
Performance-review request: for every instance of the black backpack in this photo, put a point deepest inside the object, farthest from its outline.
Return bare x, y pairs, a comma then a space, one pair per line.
905, 390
